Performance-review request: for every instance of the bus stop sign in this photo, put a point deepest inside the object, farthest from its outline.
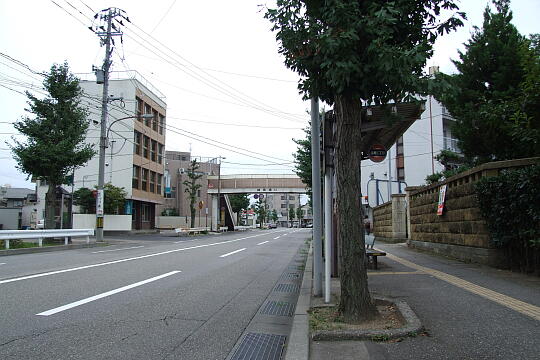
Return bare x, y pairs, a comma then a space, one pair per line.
377, 153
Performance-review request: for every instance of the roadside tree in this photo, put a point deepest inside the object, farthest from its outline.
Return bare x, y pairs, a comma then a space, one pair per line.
349, 53
239, 202
192, 187
54, 146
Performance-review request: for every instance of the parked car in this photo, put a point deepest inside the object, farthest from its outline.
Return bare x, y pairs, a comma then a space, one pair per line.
272, 226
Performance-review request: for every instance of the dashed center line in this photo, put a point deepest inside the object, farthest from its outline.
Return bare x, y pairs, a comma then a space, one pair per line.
277, 237
264, 242
105, 294
232, 252
102, 251
522, 307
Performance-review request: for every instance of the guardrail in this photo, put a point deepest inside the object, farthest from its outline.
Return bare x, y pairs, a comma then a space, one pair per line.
7, 235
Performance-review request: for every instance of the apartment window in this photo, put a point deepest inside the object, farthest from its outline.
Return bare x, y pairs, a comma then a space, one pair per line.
145, 212
152, 181
140, 108
155, 120
147, 110
283, 206
136, 176
291, 206
137, 143
399, 146
160, 153
146, 145
158, 183
153, 150
283, 197
161, 123
198, 193
291, 197
144, 181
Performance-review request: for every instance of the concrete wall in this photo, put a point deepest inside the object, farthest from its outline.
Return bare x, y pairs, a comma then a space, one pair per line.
9, 218
111, 222
460, 232
173, 222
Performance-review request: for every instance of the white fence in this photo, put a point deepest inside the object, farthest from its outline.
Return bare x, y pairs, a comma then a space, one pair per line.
7, 235
111, 222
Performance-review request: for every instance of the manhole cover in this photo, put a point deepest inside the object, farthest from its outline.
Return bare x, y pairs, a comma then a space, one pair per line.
279, 308
287, 288
257, 346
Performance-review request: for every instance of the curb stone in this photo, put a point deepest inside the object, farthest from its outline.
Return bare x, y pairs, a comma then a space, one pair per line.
298, 344
412, 325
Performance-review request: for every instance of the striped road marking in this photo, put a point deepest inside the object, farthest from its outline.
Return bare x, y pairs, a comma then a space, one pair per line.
504, 300
102, 251
261, 243
105, 294
232, 252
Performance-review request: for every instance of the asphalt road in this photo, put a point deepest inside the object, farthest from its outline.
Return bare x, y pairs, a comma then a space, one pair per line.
144, 298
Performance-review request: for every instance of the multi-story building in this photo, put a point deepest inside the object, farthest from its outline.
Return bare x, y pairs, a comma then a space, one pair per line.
136, 144
177, 201
282, 203
411, 158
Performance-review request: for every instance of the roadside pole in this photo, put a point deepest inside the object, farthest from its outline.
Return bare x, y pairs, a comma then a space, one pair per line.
316, 189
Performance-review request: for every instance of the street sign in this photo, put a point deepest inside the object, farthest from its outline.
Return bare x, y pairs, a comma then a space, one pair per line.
442, 195
201, 204
377, 153
99, 203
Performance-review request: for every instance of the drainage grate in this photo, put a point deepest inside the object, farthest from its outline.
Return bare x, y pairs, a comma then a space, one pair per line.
279, 308
257, 346
287, 288
290, 275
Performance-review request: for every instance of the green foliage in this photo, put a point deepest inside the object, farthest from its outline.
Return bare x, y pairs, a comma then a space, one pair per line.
85, 200
239, 202
54, 138
113, 202
509, 204
494, 96
291, 213
274, 215
192, 187
261, 209
299, 213
302, 159
54, 145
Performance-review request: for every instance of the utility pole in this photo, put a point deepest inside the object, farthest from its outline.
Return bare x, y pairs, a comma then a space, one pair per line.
316, 188
106, 38
219, 195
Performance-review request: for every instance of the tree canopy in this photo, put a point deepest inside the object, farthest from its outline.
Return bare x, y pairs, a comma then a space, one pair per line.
494, 97
192, 187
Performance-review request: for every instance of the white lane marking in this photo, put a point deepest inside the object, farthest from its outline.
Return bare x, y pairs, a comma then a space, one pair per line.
105, 294
264, 242
276, 238
123, 260
102, 251
232, 252
2, 263
185, 241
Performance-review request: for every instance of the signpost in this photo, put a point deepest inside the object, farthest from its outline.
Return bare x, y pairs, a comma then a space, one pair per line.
377, 153
442, 195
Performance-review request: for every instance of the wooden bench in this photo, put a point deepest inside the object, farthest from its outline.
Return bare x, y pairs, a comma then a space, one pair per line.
372, 253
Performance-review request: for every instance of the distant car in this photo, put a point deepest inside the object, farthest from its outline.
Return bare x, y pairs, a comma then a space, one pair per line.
272, 226
309, 225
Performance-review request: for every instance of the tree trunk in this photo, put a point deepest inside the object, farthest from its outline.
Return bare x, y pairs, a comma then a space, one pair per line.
355, 304
192, 210
50, 207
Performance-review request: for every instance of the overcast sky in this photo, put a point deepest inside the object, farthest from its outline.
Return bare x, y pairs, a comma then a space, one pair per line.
216, 62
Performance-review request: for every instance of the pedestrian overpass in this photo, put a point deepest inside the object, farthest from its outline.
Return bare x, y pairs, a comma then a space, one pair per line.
223, 185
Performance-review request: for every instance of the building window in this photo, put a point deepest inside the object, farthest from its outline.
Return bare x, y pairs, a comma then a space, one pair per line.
291, 197
283, 206
153, 150
155, 120
161, 124
137, 143
146, 145
198, 194
401, 174
158, 183
144, 181
291, 206
160, 153
283, 197
152, 181
140, 107
147, 110
145, 212
399, 146
284, 213
136, 176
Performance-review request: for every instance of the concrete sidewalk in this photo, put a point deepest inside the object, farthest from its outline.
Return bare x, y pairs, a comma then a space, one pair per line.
468, 311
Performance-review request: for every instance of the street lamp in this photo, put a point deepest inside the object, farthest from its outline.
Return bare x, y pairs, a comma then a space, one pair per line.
101, 171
